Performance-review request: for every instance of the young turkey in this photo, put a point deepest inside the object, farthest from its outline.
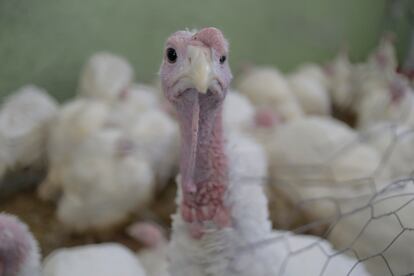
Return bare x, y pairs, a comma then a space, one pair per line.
310, 86
19, 252
106, 76
269, 91
222, 225
25, 118
107, 158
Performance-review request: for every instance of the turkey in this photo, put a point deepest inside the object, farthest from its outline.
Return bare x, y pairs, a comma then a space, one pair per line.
384, 58
106, 76
316, 157
25, 118
339, 74
135, 108
329, 147
269, 91
222, 226
107, 158
75, 122
310, 86
357, 183
386, 100
376, 86
105, 182
19, 252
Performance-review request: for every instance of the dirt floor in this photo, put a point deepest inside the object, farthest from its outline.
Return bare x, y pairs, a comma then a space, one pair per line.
40, 216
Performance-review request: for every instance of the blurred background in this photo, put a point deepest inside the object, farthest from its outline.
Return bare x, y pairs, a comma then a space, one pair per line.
89, 145
45, 42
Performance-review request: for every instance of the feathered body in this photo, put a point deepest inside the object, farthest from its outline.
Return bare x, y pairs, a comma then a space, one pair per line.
25, 118
267, 89
309, 84
109, 148
222, 225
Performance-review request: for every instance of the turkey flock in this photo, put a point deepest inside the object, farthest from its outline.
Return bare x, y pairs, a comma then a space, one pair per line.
300, 173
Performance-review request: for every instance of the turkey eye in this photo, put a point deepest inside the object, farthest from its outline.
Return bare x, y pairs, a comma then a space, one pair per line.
222, 59
171, 55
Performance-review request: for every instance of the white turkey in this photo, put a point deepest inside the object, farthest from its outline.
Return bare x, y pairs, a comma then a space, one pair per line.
105, 182
135, 108
109, 155
360, 184
310, 86
222, 225
339, 73
386, 100
268, 90
75, 122
25, 118
106, 76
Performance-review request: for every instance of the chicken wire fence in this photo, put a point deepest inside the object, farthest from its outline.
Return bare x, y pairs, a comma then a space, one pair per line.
369, 218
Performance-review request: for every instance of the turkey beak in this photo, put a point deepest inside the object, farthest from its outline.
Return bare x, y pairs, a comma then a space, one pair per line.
200, 71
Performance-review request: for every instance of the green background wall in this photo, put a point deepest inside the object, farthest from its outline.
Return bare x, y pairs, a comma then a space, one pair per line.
46, 41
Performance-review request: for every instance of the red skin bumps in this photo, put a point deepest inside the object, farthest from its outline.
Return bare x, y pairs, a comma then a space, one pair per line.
203, 163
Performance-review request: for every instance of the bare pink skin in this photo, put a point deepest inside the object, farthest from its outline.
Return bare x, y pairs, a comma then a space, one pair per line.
203, 163
267, 118
14, 245
149, 234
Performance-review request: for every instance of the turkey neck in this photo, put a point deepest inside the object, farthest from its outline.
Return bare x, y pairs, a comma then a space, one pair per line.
203, 163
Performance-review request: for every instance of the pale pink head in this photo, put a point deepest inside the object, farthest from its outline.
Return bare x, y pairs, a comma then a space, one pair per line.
195, 61
195, 77
19, 254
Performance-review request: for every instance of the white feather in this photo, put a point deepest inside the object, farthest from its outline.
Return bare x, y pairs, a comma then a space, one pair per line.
103, 260
250, 247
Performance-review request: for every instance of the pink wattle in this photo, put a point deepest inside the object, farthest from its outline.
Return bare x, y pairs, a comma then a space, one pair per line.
203, 162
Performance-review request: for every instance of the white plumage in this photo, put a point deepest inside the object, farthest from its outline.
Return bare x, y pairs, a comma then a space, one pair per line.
105, 76
309, 84
250, 247
329, 147
157, 140
378, 228
339, 73
267, 88
238, 112
338, 176
385, 100
108, 151
75, 122
25, 117
103, 260
315, 158
105, 182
